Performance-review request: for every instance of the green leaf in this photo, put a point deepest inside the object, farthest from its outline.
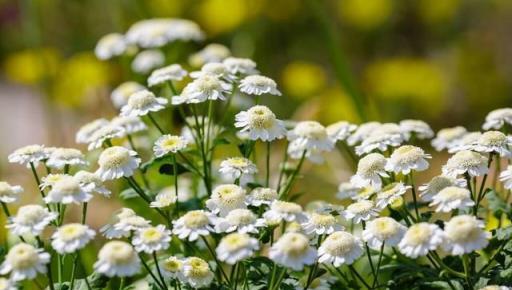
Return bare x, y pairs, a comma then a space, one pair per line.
128, 193
504, 234
168, 169
496, 204
443, 285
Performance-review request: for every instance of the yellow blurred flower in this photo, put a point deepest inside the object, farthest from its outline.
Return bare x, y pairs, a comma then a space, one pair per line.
165, 8
302, 79
365, 14
336, 105
218, 16
31, 66
281, 10
438, 11
79, 77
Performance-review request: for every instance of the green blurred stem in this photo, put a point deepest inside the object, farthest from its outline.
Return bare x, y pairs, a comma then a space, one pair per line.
267, 177
148, 269
150, 116
38, 181
158, 270
293, 176
40, 245
414, 198
368, 254
219, 265
283, 167
6, 209
378, 265
175, 166
354, 271
482, 186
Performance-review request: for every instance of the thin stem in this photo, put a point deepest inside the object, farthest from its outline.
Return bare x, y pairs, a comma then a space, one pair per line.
489, 262
150, 272
283, 167
73, 271
156, 124
353, 270
6, 209
212, 252
158, 270
368, 254
40, 244
465, 263
83, 269
413, 190
378, 265
293, 176
267, 177
482, 186
38, 181
175, 166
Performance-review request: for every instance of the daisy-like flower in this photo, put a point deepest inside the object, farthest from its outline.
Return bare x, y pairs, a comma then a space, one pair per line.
450, 198
370, 170
466, 142
71, 237
260, 123
418, 128
212, 53
151, 239
7, 284
495, 287
166, 197
235, 167
347, 190
236, 247
320, 224
363, 210
225, 198
472, 163
86, 132
197, 273
31, 219
262, 196
158, 32
61, 157
49, 180
447, 137
122, 93
107, 132
438, 183
390, 193
91, 183
240, 66
172, 268
494, 142
67, 190
506, 177
285, 211
116, 162
421, 238
216, 69
147, 60
173, 72
9, 193
239, 220
169, 144
292, 250
406, 158
465, 234
193, 224
362, 132
131, 125
205, 88
258, 85
110, 45
126, 223
381, 138
340, 131
309, 135
383, 230
117, 259
363, 193
340, 248
498, 118
24, 262
142, 103
28, 154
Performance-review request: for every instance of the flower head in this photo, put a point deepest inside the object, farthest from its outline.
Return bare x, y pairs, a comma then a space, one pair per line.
370, 170
212, 53
117, 259
91, 182
436, 184
194, 224
362, 210
390, 193
217, 69
381, 138
418, 128
86, 132
494, 142
130, 125
151, 239
235, 167
126, 223
340, 248
472, 163
383, 230
24, 261
67, 190
61, 157
362, 132
173, 72
498, 118
29, 154
225, 198
110, 45
31, 219
9, 193
340, 131
207, 87
172, 267
320, 224
292, 250
450, 198
236, 247
122, 93
262, 196
419, 239
258, 85
166, 197
465, 234
116, 162
197, 273
103, 134
260, 123
447, 137
284, 211
147, 60
71, 237
240, 66
169, 144
142, 103
158, 32
406, 158
240, 220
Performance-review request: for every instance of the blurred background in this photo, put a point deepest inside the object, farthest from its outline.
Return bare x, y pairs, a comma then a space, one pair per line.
446, 62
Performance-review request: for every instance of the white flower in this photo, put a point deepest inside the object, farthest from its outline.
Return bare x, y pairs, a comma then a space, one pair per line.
240, 220
292, 250
262, 196
116, 162
86, 132
243, 66
207, 87
498, 118
236, 247
131, 125
406, 158
383, 230
197, 273
148, 60
465, 234
61, 157
9, 193
216, 69
447, 137
340, 131
495, 142
363, 193
172, 267
169, 144
28, 154
193, 224
117, 259
362, 132
173, 72
506, 177
258, 85
235, 167
212, 53
310, 135
450, 198
472, 163
321, 224
122, 93
390, 193
67, 190
418, 128
7, 284
284, 211
225, 198
52, 178
71, 237
495, 287
362, 210
466, 142
91, 183
347, 190
107, 132
24, 261
340, 248
370, 169
158, 32
260, 123
380, 138
434, 186
126, 222
110, 45
151, 239
420, 239
31, 219
166, 197
142, 103
320, 283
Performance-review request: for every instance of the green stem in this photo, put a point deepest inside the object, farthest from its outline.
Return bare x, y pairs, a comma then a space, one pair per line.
151, 273
413, 190
378, 265
293, 176
158, 270
267, 177
354, 271
482, 186
219, 265
465, 263
40, 244
38, 181
6, 209
156, 124
175, 173
283, 167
